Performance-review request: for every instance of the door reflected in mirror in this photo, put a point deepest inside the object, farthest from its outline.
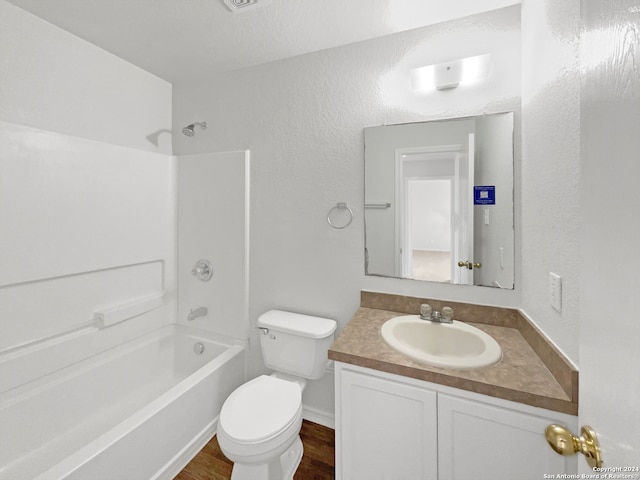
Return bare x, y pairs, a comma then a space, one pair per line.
439, 201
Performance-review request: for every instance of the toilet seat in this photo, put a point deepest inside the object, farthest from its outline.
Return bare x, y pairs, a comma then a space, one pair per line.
261, 410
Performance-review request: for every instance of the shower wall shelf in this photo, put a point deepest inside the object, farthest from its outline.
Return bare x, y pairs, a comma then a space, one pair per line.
125, 311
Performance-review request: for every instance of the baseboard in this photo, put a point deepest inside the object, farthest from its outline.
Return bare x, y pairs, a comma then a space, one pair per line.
318, 416
184, 456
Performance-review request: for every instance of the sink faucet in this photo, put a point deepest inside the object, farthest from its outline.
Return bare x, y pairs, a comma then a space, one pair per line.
426, 313
198, 312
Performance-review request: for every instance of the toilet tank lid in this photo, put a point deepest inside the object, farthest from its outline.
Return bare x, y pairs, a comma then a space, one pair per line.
297, 323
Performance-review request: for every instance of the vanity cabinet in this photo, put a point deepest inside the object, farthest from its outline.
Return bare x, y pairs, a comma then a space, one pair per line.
387, 429
483, 441
393, 427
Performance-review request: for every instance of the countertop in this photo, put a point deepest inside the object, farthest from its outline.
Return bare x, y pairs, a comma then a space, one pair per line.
521, 375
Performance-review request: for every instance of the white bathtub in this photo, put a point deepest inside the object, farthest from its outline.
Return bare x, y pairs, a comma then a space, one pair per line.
136, 412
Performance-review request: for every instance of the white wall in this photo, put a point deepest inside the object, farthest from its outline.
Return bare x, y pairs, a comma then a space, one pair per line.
87, 203
303, 118
213, 216
56, 81
550, 165
431, 228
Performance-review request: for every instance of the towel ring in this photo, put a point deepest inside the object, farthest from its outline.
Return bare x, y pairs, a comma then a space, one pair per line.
340, 206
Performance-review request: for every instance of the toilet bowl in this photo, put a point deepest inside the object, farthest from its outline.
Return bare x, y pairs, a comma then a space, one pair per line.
259, 429
260, 421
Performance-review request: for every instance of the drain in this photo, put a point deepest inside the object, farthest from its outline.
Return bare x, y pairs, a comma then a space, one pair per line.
198, 348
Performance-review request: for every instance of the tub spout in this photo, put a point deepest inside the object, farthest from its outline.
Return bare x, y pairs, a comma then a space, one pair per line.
198, 312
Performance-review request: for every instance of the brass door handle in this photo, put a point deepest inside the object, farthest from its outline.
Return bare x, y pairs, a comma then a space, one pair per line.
565, 443
470, 265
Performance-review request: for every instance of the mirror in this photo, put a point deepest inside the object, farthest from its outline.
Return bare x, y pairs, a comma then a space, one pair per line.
439, 201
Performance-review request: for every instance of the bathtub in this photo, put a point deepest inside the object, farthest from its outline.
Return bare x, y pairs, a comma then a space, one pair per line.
135, 412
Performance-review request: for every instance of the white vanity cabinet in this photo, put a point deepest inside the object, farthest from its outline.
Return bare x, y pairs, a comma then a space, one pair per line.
478, 440
384, 429
395, 428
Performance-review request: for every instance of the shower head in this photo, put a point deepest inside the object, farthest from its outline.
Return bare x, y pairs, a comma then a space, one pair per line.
190, 131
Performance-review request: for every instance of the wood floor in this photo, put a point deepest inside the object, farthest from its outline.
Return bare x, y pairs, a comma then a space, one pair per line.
318, 461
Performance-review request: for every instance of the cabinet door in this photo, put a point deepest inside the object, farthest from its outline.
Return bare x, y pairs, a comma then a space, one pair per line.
387, 430
479, 441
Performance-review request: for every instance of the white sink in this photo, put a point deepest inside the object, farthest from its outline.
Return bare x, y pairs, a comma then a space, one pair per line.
444, 345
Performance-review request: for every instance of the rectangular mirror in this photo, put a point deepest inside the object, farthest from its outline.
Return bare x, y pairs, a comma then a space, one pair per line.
439, 201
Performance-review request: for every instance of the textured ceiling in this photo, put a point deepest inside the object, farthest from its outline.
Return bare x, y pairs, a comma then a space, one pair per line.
185, 40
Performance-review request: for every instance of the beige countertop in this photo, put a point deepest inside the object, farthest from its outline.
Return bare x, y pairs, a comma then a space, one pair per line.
521, 375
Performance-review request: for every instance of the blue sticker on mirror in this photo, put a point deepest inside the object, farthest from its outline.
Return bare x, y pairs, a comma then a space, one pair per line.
484, 195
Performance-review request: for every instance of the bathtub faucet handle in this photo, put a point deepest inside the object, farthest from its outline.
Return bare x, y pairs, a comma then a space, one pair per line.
203, 270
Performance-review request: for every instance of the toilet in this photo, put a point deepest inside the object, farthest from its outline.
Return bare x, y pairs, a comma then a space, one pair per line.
259, 426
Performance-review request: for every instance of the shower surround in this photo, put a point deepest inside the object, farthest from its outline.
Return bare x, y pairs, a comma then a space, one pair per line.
96, 355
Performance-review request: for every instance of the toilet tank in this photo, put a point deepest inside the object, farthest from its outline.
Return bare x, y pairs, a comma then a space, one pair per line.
294, 343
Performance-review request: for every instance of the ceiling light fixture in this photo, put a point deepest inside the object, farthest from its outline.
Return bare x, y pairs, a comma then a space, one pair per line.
448, 75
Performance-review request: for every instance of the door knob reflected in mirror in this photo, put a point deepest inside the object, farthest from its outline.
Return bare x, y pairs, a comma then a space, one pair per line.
565, 443
469, 265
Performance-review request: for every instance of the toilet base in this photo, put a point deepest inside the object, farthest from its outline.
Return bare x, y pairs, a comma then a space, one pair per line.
281, 468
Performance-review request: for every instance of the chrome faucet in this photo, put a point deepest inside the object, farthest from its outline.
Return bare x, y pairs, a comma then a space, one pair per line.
198, 312
426, 313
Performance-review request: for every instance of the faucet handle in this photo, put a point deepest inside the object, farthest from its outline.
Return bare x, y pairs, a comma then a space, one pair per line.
425, 311
447, 314
203, 270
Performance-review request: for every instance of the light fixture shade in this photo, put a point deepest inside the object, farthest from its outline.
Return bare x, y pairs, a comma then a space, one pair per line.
444, 76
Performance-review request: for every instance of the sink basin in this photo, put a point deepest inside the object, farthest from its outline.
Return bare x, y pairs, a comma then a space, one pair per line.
444, 345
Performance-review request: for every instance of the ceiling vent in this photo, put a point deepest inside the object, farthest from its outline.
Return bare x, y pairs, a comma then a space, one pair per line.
245, 5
